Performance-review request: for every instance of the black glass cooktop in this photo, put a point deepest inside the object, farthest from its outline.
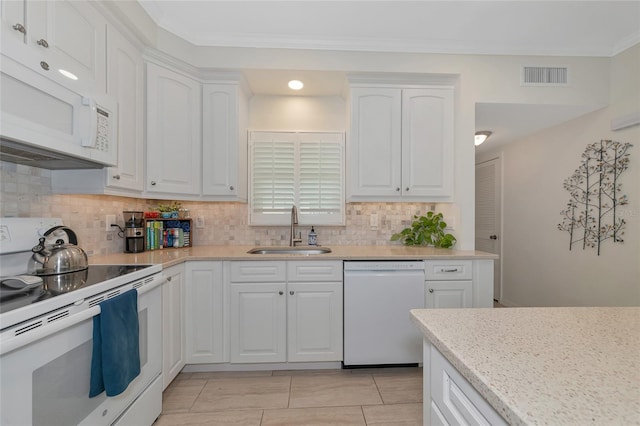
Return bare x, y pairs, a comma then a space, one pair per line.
55, 285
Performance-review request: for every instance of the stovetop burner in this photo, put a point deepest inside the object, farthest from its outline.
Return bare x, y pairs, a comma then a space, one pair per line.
57, 285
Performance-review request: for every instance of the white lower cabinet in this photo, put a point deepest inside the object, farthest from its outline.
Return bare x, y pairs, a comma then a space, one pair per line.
286, 311
449, 399
205, 337
448, 284
258, 322
173, 324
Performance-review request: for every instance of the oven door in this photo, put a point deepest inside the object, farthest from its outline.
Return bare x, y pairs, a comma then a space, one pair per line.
46, 382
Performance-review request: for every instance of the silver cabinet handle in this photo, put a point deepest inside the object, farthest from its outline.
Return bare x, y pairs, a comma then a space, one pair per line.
44, 65
449, 270
292, 292
42, 42
281, 293
116, 177
430, 290
231, 188
20, 28
153, 183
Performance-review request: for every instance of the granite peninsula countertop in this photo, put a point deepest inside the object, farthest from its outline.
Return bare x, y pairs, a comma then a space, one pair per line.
545, 366
170, 257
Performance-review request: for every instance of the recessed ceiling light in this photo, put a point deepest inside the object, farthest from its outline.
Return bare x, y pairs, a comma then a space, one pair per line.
68, 74
482, 136
295, 85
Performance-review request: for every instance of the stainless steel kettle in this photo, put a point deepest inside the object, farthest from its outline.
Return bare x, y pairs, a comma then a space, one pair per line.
60, 257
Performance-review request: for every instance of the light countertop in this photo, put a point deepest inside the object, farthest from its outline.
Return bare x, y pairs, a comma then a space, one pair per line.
546, 366
169, 257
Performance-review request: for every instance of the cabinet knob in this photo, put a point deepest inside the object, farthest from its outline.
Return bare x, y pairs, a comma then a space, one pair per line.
398, 189
153, 183
42, 42
493, 237
169, 278
44, 65
20, 28
292, 292
231, 188
406, 189
116, 177
281, 293
430, 290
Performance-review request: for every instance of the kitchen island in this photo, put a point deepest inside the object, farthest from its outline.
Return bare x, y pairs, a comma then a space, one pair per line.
555, 366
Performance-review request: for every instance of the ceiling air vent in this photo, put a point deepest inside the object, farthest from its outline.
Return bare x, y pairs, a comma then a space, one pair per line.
544, 76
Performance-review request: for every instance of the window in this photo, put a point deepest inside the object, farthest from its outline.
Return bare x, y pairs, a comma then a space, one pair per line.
296, 168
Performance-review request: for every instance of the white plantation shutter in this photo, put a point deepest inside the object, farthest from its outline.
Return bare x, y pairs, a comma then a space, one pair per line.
301, 169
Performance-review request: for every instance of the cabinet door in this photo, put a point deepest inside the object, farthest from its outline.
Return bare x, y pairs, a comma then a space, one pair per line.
448, 294
314, 321
173, 132
375, 144
12, 15
205, 312
125, 83
427, 142
173, 325
224, 142
72, 35
258, 322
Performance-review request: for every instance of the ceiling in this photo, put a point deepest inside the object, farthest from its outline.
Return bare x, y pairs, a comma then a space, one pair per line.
565, 28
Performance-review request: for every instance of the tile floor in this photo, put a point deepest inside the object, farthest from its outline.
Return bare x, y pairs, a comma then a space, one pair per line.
386, 396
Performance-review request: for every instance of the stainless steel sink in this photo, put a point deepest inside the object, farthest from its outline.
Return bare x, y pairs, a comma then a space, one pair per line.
306, 250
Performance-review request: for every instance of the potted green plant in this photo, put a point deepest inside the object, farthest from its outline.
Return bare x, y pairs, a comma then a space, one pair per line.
426, 231
168, 211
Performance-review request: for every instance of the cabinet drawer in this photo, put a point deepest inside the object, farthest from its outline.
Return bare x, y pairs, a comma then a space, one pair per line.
455, 399
314, 270
255, 272
448, 270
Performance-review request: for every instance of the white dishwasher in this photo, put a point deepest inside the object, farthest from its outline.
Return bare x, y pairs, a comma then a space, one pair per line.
377, 298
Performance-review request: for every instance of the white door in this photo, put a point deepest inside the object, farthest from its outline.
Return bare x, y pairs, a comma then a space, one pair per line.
488, 221
258, 322
224, 144
174, 145
205, 312
427, 142
173, 327
125, 82
314, 321
448, 294
375, 143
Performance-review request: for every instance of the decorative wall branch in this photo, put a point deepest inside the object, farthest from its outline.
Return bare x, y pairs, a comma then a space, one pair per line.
594, 195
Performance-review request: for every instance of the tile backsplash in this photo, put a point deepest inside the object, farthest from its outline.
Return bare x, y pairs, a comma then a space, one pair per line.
26, 191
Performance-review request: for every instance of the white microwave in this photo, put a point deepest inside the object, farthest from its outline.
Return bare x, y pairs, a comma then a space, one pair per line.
48, 125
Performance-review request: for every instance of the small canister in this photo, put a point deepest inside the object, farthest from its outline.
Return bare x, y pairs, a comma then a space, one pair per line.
313, 237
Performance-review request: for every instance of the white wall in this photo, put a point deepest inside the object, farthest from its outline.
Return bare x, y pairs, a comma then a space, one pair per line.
311, 114
538, 268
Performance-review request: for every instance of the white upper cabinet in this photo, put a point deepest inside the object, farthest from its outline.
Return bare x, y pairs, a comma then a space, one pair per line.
401, 144
125, 81
224, 141
53, 35
173, 132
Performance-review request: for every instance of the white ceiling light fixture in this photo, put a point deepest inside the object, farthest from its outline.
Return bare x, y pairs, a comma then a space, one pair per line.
482, 136
295, 85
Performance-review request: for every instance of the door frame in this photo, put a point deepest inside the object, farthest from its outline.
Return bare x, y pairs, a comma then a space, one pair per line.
481, 159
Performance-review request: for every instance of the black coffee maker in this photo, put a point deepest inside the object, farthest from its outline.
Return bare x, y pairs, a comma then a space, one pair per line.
133, 231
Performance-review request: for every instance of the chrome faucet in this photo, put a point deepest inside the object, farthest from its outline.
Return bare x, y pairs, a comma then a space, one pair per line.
294, 221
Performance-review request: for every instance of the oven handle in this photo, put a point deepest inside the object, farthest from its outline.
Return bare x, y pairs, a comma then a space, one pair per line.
19, 341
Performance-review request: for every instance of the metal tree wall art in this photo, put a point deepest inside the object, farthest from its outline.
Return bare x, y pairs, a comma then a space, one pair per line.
595, 192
